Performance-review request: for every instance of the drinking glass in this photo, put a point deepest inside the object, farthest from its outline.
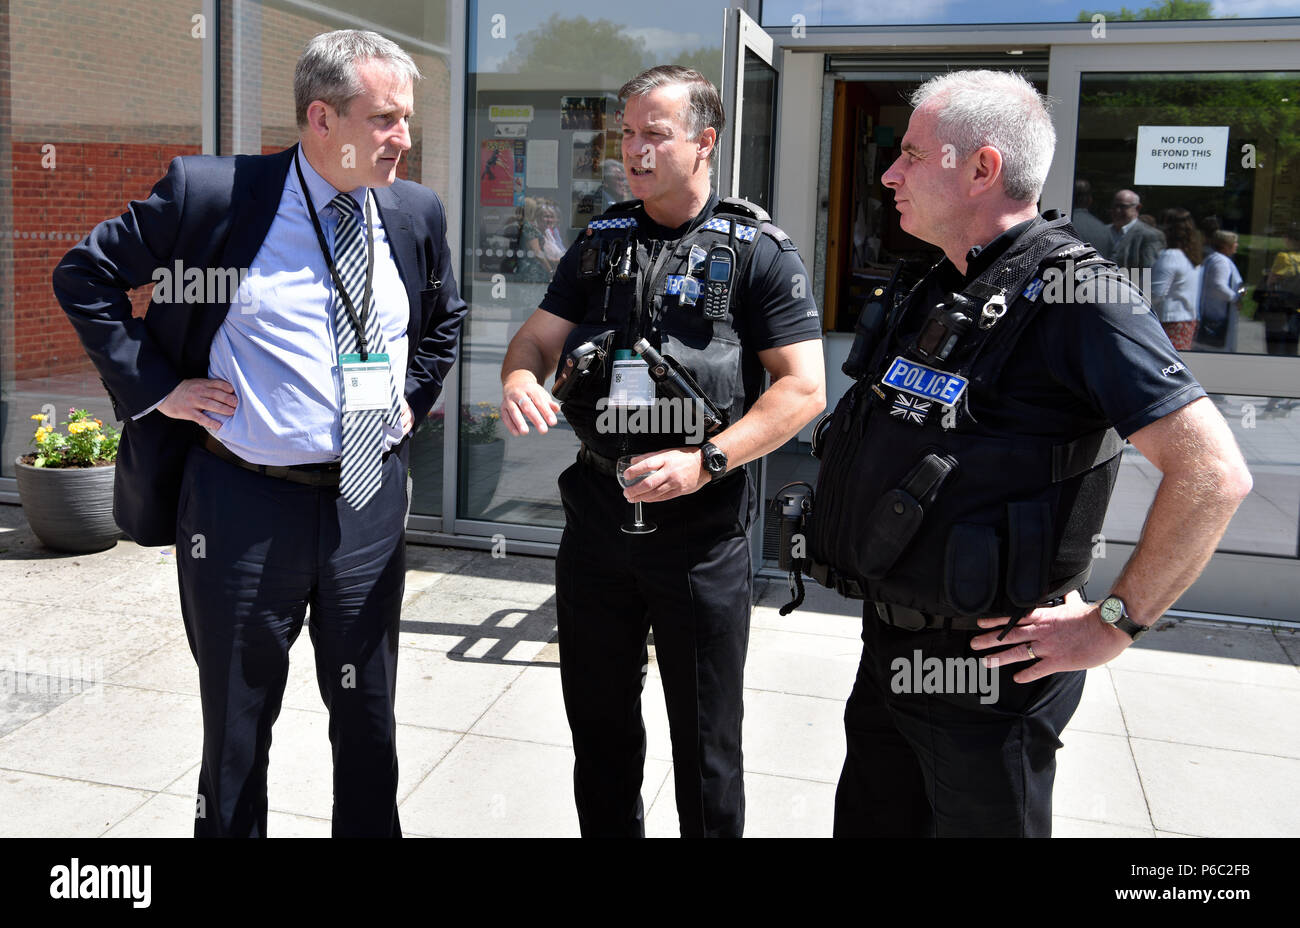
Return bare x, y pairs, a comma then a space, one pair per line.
638, 525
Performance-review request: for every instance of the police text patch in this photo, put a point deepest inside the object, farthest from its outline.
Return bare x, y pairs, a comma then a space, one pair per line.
925, 382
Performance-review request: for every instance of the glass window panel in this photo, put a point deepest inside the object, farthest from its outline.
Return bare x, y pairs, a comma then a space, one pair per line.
542, 158
1258, 197
260, 47
756, 131
1268, 430
84, 128
789, 14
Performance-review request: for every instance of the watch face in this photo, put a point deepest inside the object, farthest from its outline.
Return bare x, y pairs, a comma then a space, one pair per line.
1111, 609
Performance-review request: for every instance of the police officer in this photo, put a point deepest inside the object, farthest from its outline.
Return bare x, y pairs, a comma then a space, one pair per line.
715, 287
965, 477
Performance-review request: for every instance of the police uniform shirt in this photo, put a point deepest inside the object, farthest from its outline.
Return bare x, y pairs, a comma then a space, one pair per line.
771, 307
1078, 367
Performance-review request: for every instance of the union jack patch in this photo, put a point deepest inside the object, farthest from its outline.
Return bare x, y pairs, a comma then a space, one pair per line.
909, 409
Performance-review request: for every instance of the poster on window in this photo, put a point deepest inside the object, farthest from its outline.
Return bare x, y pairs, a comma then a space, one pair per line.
1181, 156
588, 155
499, 161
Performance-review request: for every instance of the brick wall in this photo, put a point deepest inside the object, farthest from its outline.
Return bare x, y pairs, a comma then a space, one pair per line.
116, 88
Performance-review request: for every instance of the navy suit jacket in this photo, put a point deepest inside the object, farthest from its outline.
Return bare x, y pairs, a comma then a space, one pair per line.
211, 212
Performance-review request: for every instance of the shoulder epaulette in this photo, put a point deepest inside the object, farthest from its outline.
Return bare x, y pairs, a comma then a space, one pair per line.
744, 208
782, 240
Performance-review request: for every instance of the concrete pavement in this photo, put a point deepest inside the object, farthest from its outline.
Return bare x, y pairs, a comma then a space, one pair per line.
1191, 732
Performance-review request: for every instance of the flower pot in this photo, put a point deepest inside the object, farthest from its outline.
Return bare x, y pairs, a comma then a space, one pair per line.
69, 508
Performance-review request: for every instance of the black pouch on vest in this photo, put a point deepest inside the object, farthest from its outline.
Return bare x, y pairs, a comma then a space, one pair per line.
898, 514
1029, 551
970, 569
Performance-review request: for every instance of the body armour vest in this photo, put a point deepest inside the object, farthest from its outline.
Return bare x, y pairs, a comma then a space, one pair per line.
632, 288
918, 504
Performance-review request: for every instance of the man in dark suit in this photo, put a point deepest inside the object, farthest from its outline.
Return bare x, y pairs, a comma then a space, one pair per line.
1132, 243
266, 431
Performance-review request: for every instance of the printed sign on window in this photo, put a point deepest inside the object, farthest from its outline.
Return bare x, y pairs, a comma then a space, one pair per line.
1181, 156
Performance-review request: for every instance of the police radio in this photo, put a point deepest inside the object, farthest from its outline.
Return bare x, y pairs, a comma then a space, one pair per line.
719, 266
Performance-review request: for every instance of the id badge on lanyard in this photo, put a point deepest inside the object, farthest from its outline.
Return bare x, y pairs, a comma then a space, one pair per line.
365, 383
630, 383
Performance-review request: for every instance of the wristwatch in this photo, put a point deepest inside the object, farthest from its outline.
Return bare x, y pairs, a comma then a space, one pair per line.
1115, 614
715, 462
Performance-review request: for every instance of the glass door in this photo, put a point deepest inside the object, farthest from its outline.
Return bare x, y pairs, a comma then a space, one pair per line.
1210, 157
745, 160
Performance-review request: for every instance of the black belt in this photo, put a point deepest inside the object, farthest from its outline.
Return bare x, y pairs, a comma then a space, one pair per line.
598, 462
914, 620
312, 475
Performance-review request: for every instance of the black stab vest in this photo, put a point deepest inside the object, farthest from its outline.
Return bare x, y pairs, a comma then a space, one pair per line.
648, 305
1016, 520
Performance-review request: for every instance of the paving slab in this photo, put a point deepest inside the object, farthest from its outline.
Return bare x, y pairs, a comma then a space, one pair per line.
1218, 793
1099, 709
300, 779
1211, 712
170, 668
1097, 781
532, 709
1193, 649
92, 642
1064, 827
478, 791
805, 665
40, 806
116, 735
797, 737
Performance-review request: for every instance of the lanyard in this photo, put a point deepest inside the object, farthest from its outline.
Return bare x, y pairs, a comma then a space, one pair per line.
358, 322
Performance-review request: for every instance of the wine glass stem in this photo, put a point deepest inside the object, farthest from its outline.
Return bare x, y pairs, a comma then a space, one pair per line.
636, 513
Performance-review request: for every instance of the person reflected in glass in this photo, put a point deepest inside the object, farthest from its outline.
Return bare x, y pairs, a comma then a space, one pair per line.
553, 246
1131, 242
534, 266
1281, 305
614, 187
1221, 290
1175, 279
1091, 229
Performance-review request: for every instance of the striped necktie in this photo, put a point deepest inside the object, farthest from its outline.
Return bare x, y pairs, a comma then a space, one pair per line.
363, 430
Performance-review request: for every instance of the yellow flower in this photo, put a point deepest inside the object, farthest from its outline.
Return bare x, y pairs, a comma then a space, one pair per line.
39, 417
74, 428
92, 425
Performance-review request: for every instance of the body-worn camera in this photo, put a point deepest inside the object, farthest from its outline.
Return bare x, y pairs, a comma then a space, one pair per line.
942, 331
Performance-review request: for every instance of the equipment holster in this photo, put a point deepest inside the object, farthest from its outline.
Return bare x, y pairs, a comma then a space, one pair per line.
898, 514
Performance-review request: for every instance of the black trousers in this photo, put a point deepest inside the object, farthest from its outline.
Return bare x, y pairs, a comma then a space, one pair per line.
253, 553
691, 582
947, 764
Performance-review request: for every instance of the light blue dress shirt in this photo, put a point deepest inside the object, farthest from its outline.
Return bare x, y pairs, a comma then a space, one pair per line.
277, 346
